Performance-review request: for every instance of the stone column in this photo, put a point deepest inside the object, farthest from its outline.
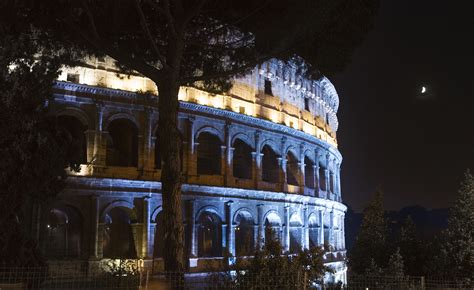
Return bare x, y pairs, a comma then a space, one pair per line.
228, 170
192, 230
286, 233
321, 227
230, 228
146, 242
192, 156
343, 233
305, 235
148, 148
331, 228
301, 170
261, 226
282, 180
94, 238
100, 144
315, 180
256, 168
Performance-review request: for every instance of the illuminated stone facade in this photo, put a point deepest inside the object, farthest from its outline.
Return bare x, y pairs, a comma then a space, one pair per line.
262, 156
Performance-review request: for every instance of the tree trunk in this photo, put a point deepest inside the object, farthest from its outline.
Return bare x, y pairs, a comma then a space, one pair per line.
170, 146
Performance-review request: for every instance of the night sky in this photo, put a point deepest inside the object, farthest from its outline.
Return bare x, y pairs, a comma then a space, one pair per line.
416, 147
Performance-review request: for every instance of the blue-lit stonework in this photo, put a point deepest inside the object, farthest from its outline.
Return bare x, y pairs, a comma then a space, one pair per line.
270, 161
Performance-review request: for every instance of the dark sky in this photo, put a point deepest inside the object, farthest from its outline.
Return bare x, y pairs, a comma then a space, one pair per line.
416, 149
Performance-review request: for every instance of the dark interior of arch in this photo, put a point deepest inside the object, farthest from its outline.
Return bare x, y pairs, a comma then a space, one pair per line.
208, 154
118, 239
209, 236
291, 169
308, 172
122, 144
63, 233
270, 167
295, 237
313, 229
242, 161
75, 135
244, 235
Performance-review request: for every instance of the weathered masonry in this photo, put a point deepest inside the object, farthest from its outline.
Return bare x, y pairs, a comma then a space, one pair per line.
264, 155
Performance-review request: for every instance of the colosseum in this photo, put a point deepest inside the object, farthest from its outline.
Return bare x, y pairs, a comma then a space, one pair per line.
264, 155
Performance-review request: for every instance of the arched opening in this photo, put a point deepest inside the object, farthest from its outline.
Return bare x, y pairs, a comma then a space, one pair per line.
270, 166
242, 161
118, 241
209, 235
122, 144
244, 234
76, 138
291, 169
158, 245
322, 177
296, 233
308, 172
313, 229
208, 154
272, 228
63, 233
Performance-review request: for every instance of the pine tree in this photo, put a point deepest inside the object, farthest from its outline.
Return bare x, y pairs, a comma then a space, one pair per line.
370, 243
410, 248
457, 248
395, 265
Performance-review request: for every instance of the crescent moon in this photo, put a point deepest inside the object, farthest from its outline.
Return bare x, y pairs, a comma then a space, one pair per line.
423, 89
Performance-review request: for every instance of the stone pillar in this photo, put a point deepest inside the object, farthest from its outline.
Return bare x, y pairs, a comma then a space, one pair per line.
141, 152
282, 180
315, 180
228, 159
148, 148
261, 226
305, 235
192, 154
321, 227
94, 237
331, 228
100, 142
286, 233
301, 169
343, 233
230, 228
192, 230
147, 248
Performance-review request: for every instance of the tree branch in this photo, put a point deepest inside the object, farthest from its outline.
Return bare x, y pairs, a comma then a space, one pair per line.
91, 19
147, 32
167, 14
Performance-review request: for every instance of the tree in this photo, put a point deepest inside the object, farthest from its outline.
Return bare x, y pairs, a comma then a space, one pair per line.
300, 270
409, 246
197, 43
395, 265
34, 150
370, 245
457, 247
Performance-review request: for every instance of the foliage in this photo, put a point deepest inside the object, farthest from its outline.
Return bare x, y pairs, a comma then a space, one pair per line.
270, 264
410, 248
457, 245
370, 245
34, 150
395, 265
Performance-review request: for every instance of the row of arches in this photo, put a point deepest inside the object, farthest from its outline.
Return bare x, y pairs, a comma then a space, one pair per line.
64, 233
122, 143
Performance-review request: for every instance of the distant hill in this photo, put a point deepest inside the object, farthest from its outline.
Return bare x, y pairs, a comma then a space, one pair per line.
428, 221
